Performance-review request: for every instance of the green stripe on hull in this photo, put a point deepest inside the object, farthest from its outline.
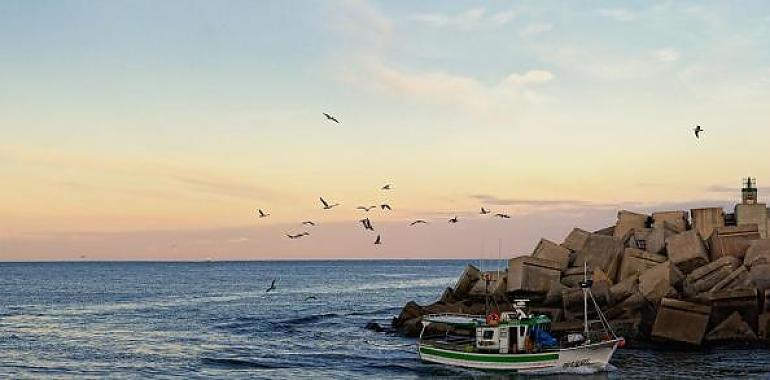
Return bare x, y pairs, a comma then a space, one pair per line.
490, 358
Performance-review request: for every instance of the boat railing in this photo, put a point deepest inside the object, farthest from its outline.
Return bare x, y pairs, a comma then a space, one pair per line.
455, 315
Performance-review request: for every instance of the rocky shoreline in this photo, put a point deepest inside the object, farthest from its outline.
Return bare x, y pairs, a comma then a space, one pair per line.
663, 279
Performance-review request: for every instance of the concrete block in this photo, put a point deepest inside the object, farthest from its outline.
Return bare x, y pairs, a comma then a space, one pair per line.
637, 238
764, 326
752, 214
573, 275
549, 250
676, 219
606, 231
497, 285
636, 261
656, 240
733, 328
738, 279
659, 281
603, 252
628, 221
743, 301
681, 321
576, 239
467, 280
757, 253
532, 275
704, 220
628, 308
760, 276
704, 278
687, 251
732, 240
625, 288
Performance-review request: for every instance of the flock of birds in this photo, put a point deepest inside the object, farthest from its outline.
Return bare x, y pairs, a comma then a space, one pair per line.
367, 223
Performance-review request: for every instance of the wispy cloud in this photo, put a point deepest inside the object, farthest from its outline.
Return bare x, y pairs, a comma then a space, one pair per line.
535, 29
666, 55
466, 19
617, 14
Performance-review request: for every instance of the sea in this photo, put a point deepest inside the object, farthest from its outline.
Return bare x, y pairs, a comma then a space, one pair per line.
215, 320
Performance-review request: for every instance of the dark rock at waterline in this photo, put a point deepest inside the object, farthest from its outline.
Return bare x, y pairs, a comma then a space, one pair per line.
374, 326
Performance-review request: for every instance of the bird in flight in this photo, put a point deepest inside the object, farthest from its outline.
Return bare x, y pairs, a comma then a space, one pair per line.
697, 131
308, 223
367, 224
326, 205
385, 206
453, 220
378, 240
386, 187
272, 287
365, 208
310, 298
330, 117
484, 211
503, 216
262, 213
418, 222
297, 236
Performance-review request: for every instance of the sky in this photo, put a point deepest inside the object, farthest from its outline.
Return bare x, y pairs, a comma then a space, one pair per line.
145, 130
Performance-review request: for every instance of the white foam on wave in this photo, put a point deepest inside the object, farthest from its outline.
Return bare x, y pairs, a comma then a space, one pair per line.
582, 370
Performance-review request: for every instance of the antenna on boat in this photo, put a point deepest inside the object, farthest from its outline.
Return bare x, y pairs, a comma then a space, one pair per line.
586, 286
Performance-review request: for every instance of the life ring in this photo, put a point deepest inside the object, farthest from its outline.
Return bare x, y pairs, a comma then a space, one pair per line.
493, 318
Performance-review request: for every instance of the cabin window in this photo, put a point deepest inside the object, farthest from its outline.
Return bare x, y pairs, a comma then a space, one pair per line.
488, 334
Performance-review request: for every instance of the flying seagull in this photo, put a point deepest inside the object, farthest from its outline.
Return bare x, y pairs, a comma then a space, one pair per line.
386, 187
310, 298
453, 220
418, 222
367, 224
330, 117
385, 206
365, 208
262, 213
272, 287
484, 211
503, 216
308, 223
326, 205
378, 240
297, 236
697, 131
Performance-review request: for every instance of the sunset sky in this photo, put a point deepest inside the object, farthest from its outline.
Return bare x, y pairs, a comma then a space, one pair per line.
153, 130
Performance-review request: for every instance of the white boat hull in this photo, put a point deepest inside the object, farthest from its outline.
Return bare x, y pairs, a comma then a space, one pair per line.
594, 355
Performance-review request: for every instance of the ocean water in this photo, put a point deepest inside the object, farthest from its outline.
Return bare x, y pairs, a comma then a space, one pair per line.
214, 320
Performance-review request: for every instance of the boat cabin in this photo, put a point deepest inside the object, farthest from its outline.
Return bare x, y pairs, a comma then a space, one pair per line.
511, 334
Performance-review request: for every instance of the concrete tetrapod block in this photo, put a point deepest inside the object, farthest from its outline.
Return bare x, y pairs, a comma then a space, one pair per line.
635, 262
532, 275
733, 328
628, 220
757, 253
704, 278
752, 214
743, 301
549, 250
602, 252
681, 321
659, 282
658, 236
676, 219
732, 240
686, 251
576, 239
704, 220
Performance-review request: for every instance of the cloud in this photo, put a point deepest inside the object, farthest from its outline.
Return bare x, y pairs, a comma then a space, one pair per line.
361, 22
617, 14
224, 187
535, 29
467, 19
465, 92
666, 55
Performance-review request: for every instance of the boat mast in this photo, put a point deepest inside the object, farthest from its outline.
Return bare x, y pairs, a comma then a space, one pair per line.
585, 299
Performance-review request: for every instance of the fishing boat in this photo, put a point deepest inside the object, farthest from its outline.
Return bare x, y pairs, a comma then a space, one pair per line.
517, 340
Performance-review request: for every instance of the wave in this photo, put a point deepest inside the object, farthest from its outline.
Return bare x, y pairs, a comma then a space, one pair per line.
245, 363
